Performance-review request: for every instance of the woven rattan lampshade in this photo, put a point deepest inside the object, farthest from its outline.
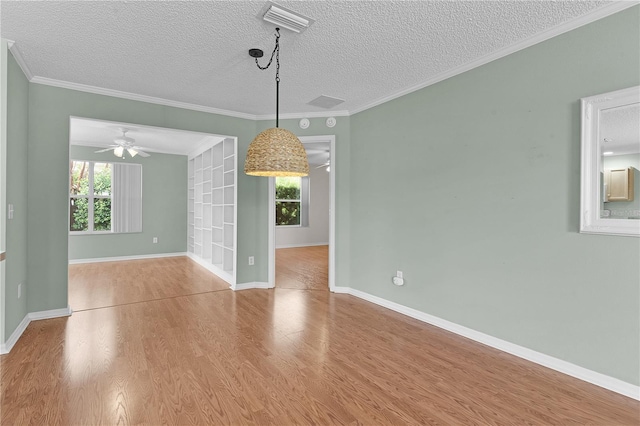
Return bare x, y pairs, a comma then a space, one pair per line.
276, 152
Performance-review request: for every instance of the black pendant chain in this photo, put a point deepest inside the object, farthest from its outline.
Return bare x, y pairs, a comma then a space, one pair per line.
276, 53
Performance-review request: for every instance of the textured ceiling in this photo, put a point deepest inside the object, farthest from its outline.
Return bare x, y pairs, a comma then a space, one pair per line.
620, 129
196, 52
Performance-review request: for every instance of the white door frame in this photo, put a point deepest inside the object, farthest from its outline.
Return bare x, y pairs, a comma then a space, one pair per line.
4, 47
332, 215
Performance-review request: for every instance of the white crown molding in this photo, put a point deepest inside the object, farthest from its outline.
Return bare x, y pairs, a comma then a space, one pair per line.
593, 16
136, 97
17, 55
121, 258
590, 376
160, 101
6, 347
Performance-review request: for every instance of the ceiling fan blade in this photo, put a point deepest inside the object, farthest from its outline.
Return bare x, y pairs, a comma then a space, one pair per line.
143, 154
105, 150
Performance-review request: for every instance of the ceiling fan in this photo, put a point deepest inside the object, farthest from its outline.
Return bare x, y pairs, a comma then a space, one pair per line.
122, 143
327, 165
316, 155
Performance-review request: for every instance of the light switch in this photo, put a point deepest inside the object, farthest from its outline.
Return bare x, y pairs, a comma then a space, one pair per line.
10, 212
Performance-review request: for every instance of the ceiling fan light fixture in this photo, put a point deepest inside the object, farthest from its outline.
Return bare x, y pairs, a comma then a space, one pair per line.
118, 151
132, 152
124, 140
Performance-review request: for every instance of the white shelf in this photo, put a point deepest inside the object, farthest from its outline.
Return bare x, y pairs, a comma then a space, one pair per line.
229, 163
211, 207
229, 178
217, 196
206, 216
217, 155
216, 255
216, 234
216, 177
229, 147
228, 236
228, 214
229, 195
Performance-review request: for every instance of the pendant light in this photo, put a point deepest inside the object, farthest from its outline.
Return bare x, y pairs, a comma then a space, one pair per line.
275, 151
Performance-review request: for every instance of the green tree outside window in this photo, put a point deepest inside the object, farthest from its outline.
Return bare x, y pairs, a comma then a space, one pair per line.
288, 201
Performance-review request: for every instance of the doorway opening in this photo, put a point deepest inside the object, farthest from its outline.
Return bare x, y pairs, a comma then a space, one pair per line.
302, 233
141, 211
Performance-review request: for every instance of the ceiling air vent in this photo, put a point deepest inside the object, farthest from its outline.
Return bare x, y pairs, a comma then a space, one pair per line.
326, 101
285, 18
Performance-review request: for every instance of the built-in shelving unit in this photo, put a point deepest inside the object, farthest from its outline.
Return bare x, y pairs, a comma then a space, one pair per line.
212, 208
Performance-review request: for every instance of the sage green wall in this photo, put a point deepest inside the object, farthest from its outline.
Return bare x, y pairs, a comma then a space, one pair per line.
48, 150
164, 209
471, 188
16, 174
340, 162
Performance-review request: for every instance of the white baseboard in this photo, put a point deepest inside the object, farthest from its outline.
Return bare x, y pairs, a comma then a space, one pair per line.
341, 290
254, 284
301, 245
598, 379
6, 347
53, 313
120, 258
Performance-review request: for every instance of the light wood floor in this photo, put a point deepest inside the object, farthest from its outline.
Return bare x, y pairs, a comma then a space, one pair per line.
304, 268
98, 285
281, 357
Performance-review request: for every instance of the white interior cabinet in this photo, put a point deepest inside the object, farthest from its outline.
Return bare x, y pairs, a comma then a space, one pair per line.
619, 184
212, 210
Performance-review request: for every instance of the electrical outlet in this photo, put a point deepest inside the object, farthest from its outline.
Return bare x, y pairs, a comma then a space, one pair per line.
155, 240
399, 274
251, 260
19, 290
397, 281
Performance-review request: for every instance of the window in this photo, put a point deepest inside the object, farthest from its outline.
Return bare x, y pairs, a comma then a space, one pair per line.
292, 201
90, 197
105, 197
